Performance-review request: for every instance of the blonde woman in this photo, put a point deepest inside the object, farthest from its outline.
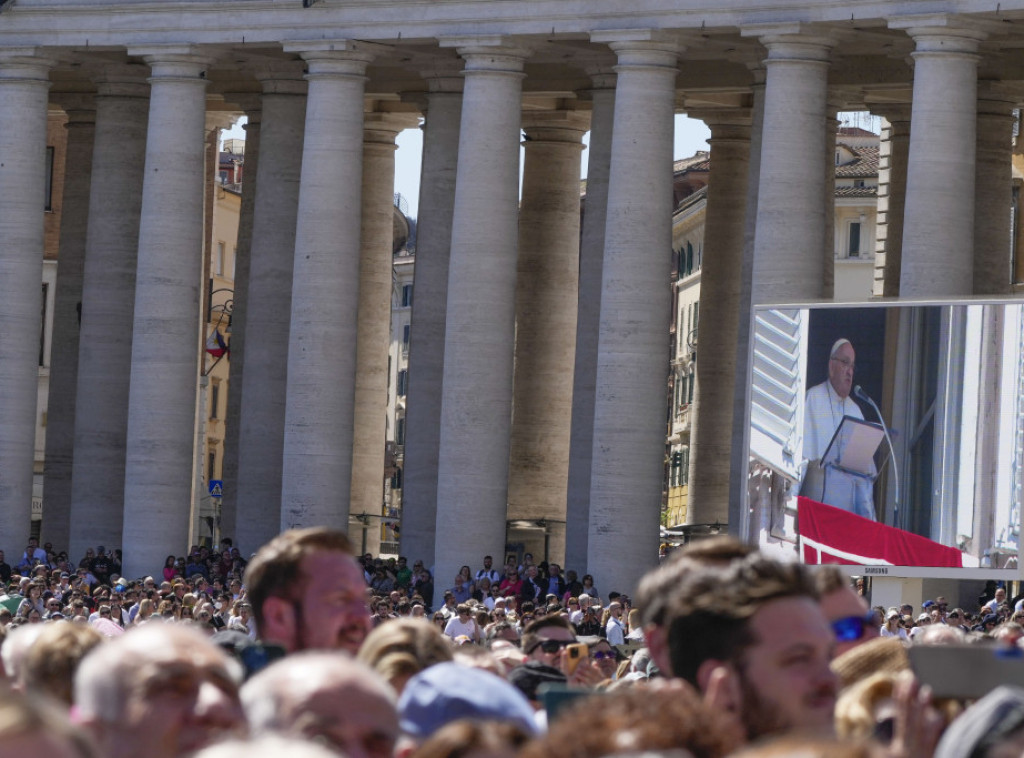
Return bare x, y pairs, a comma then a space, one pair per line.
893, 625
146, 610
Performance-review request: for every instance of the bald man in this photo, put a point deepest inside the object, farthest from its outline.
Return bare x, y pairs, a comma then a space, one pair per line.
327, 697
825, 406
160, 691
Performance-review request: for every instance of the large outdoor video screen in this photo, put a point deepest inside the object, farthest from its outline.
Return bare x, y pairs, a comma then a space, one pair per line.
889, 436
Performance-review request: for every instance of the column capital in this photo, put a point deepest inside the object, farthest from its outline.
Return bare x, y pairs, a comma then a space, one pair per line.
601, 78
80, 107
893, 99
448, 84
250, 102
642, 47
423, 100
793, 41
758, 73
336, 59
998, 97
942, 33
383, 128
556, 126
494, 53
121, 80
282, 78
220, 119
724, 121
25, 64
173, 61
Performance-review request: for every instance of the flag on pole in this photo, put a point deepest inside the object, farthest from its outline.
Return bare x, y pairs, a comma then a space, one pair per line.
215, 344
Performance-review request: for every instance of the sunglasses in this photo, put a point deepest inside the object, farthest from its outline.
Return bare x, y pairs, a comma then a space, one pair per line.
550, 646
602, 656
852, 627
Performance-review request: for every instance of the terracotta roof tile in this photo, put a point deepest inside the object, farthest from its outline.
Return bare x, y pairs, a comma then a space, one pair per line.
864, 164
856, 191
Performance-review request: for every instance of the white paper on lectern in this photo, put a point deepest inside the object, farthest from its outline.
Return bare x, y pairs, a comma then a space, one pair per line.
853, 445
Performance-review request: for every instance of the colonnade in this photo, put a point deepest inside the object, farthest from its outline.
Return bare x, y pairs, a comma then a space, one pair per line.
540, 348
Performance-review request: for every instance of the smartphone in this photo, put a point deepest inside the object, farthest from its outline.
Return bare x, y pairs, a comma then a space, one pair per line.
556, 697
575, 653
966, 671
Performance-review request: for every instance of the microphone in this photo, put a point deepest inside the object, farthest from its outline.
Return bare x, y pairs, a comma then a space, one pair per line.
860, 393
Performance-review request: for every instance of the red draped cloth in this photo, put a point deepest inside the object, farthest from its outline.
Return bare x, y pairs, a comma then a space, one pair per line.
832, 535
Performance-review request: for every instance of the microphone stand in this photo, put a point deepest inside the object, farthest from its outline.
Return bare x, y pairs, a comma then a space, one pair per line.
859, 392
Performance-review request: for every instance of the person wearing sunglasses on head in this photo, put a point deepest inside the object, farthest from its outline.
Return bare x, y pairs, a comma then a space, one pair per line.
893, 625
853, 623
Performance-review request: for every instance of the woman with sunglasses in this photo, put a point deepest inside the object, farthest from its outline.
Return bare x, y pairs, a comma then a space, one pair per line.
892, 626
604, 657
439, 620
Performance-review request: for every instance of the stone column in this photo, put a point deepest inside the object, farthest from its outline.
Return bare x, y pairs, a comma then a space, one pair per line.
546, 299
236, 369
232, 413
720, 306
938, 225
993, 196
987, 471
633, 348
60, 412
740, 453
322, 349
828, 246
269, 290
426, 347
23, 93
108, 303
376, 275
791, 215
164, 369
892, 199
581, 437
472, 477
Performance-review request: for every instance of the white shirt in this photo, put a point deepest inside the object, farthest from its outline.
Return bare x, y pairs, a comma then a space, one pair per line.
823, 412
491, 574
455, 628
900, 632
615, 631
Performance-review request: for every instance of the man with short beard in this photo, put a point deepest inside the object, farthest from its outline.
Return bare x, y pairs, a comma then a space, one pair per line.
751, 637
308, 592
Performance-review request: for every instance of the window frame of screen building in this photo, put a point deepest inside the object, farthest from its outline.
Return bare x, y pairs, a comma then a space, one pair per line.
948, 379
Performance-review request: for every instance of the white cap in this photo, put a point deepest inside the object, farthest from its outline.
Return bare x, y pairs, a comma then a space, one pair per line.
838, 344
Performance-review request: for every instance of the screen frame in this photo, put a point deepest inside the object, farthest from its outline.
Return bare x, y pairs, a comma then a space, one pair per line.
742, 527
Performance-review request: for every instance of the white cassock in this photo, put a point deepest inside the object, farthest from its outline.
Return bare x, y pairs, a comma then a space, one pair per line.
823, 411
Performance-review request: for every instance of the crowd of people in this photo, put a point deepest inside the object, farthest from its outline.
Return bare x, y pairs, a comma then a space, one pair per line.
311, 650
